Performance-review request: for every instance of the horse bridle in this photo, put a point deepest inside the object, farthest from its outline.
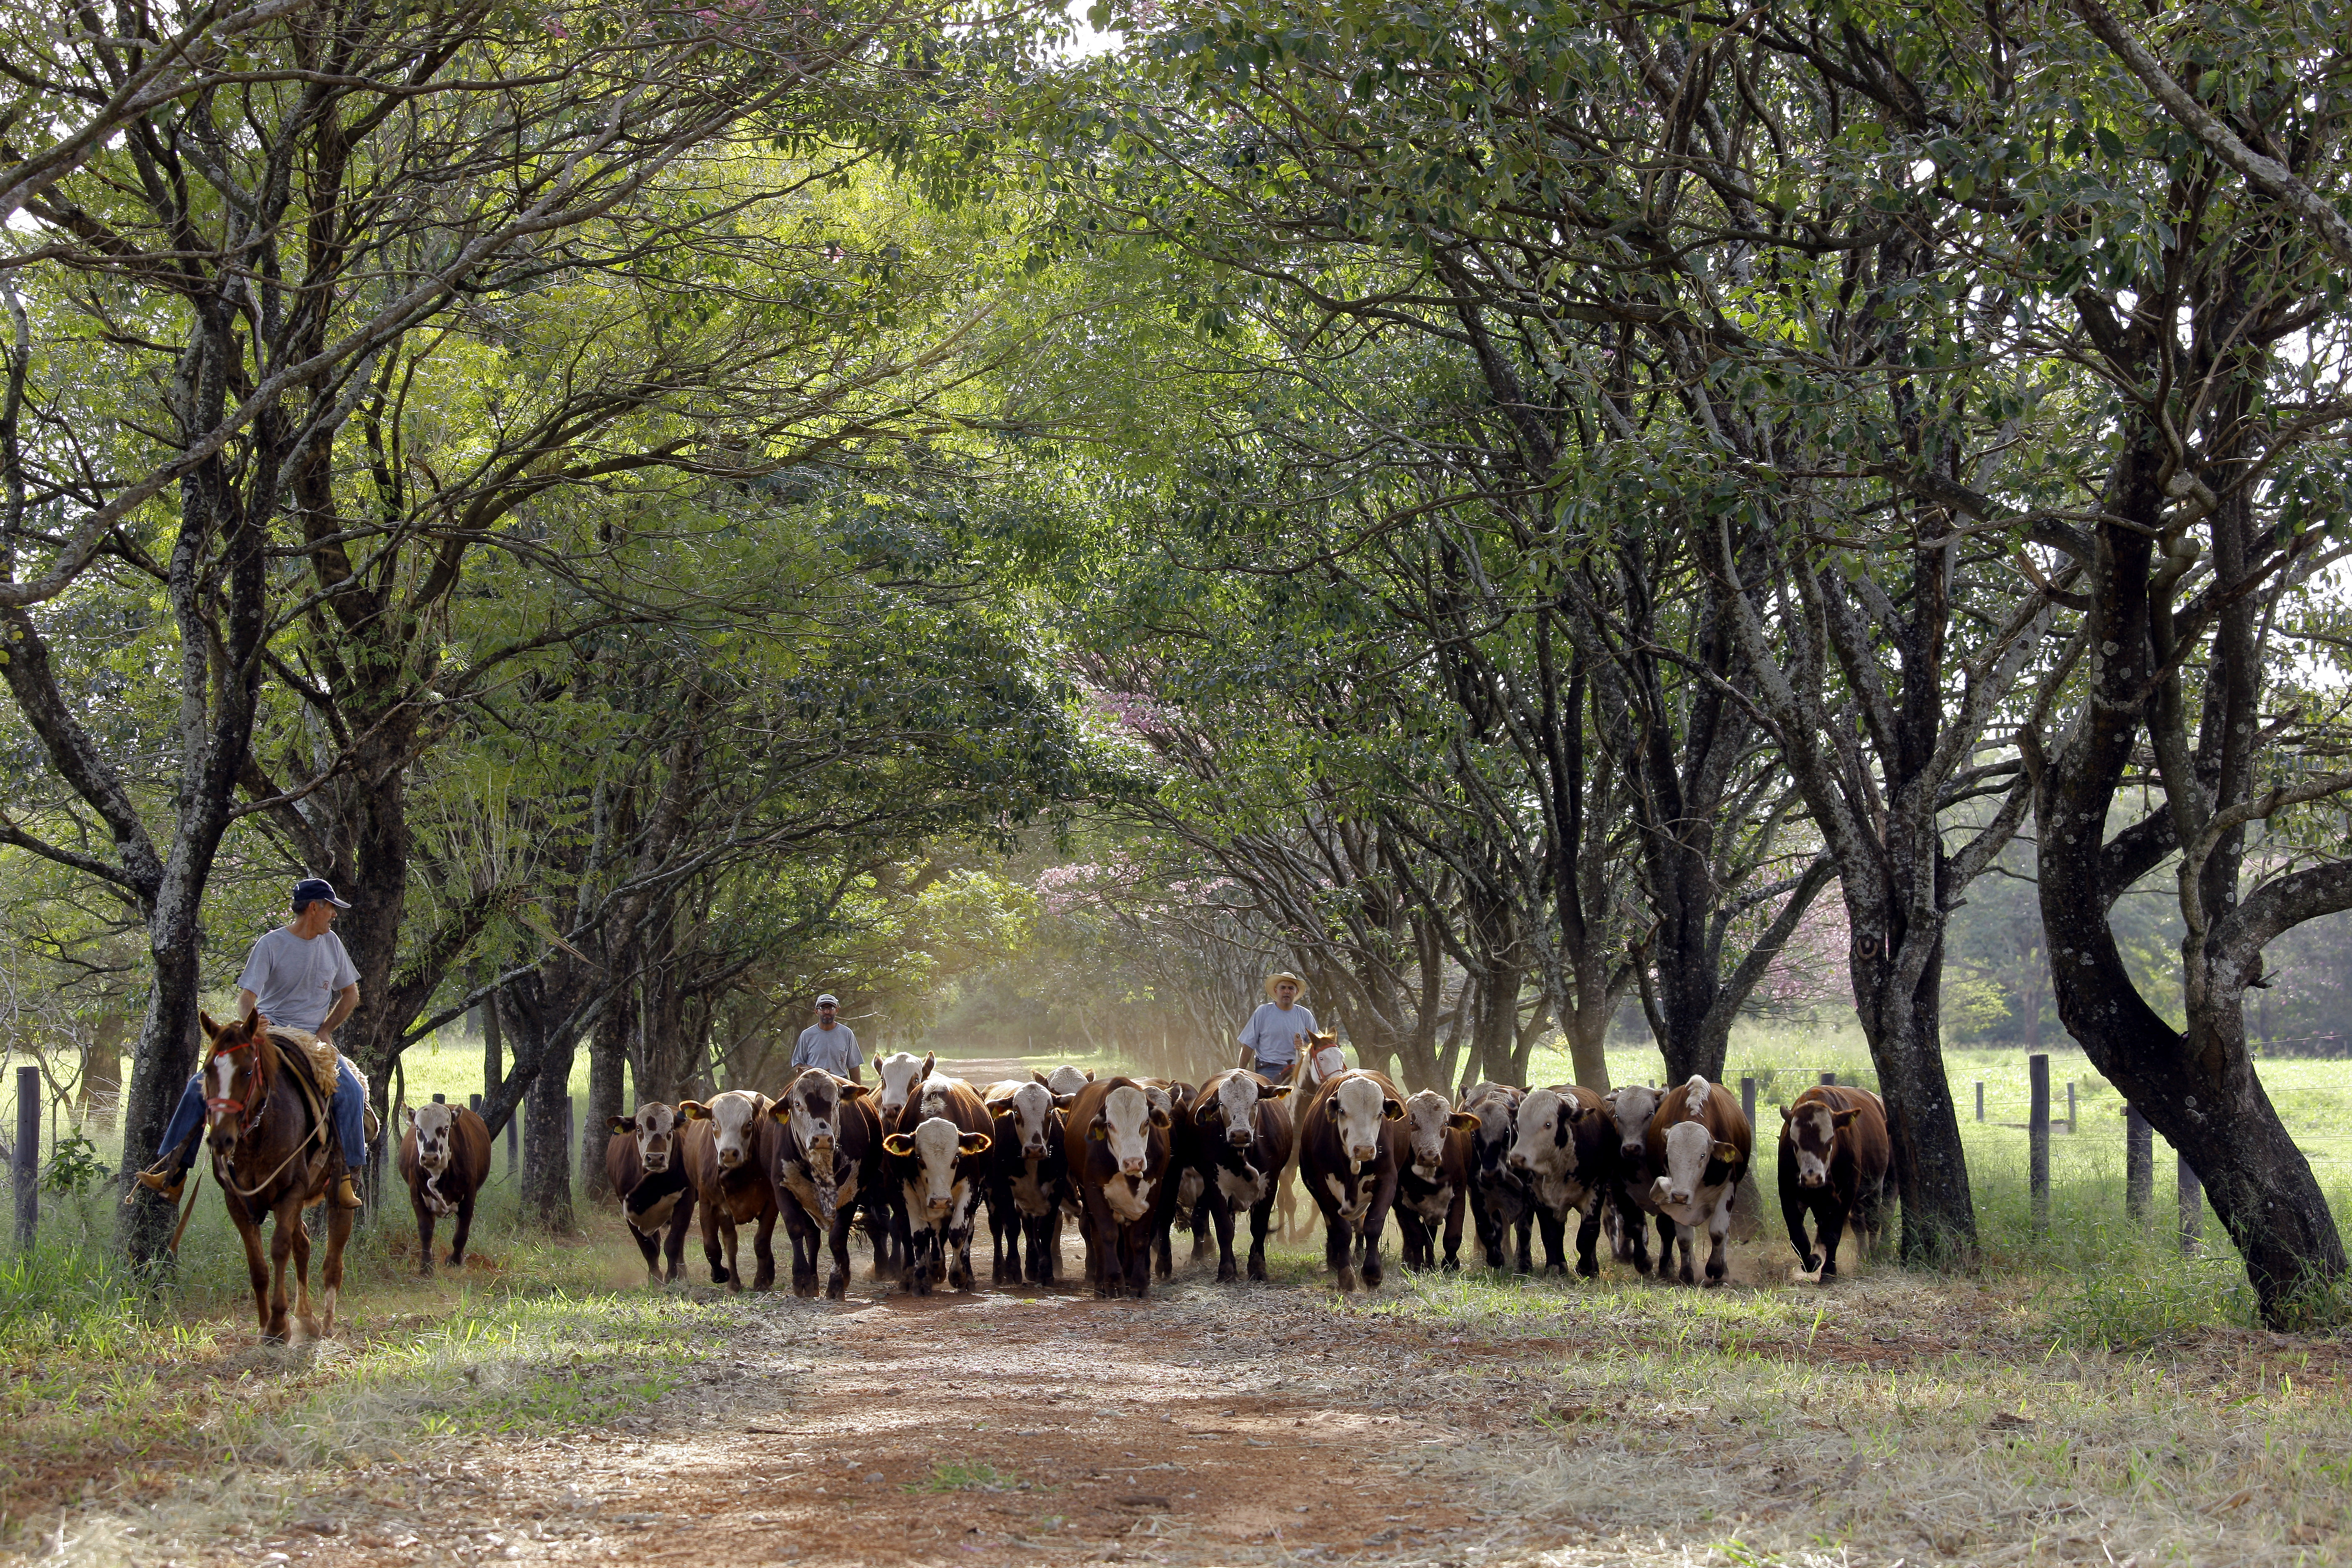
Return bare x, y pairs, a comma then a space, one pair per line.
218, 1104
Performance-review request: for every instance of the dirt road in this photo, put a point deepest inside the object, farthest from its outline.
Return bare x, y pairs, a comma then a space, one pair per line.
1204, 1426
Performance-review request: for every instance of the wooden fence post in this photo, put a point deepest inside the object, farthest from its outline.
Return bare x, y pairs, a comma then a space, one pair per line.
1830, 1078
2070, 1108
2140, 1164
2192, 1206
27, 1160
1979, 1099
1747, 1096
2037, 1125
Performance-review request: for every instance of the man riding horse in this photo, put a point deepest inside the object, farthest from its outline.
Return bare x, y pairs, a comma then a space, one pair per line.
301, 982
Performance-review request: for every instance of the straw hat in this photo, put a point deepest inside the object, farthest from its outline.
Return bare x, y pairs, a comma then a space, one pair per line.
1274, 980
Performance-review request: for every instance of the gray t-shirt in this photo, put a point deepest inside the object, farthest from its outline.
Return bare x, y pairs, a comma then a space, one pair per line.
834, 1050
1271, 1032
294, 982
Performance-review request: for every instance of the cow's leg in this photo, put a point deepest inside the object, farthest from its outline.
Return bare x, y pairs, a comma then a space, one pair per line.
836, 1284
1454, 1231
464, 1229
712, 1222
1587, 1239
800, 1229
1261, 1223
650, 1245
674, 1246
1633, 1232
1686, 1247
1338, 1247
763, 1248
1555, 1237
1525, 1229
1718, 1235
1221, 1215
1667, 1235
1794, 1205
423, 1236
1830, 1220
1490, 1233
1144, 1250
1204, 1216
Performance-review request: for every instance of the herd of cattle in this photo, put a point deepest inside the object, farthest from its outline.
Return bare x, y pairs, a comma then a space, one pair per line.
914, 1160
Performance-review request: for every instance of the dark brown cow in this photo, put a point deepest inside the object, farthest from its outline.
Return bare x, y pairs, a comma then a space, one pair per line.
649, 1174
1029, 1178
939, 1154
730, 1158
1834, 1154
444, 1158
1242, 1142
1500, 1200
1120, 1156
1701, 1140
1632, 1109
1434, 1187
1565, 1151
1351, 1145
829, 1163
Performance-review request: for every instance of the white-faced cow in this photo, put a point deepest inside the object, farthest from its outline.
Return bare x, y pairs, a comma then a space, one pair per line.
939, 1151
1565, 1148
1242, 1141
731, 1157
1834, 1157
1065, 1078
1434, 1187
1500, 1200
1029, 1178
1700, 1141
829, 1164
444, 1157
1351, 1146
1632, 1109
648, 1175
1119, 1158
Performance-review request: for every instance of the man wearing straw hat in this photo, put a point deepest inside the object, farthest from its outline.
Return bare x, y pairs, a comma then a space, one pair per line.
1270, 1039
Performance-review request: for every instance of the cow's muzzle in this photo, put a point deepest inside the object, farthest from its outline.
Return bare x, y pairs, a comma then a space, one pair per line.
1630, 1151
1517, 1160
1130, 1167
1363, 1153
729, 1158
1811, 1179
1239, 1137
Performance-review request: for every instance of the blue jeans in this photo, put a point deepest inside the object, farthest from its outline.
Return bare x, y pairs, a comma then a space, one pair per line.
348, 1109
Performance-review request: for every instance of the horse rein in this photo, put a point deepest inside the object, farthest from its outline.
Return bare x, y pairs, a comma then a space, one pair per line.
221, 1167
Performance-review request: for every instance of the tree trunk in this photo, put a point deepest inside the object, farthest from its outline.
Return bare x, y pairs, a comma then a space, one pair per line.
608, 1059
100, 1095
546, 1140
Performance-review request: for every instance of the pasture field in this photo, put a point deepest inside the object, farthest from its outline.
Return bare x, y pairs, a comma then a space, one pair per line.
2093, 1398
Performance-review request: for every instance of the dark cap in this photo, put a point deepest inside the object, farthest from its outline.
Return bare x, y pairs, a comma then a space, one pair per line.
311, 889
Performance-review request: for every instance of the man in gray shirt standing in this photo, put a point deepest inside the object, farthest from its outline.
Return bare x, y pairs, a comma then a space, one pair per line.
1270, 1039
828, 1044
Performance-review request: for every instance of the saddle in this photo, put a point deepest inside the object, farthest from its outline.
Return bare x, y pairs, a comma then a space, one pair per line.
321, 1059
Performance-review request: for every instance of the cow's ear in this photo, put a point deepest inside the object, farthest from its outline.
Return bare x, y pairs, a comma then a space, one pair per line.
1096, 1129
898, 1143
1064, 1102
974, 1143
1392, 1109
781, 1111
693, 1110
853, 1092
1559, 1132
929, 1060
1159, 1118
619, 1124
1844, 1118
1463, 1121
1273, 1091
1727, 1152
998, 1110
1037, 1077
877, 1061
1090, 1075
1784, 1114
1200, 1112
408, 1115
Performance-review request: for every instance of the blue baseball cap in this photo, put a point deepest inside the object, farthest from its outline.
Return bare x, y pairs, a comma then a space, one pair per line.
311, 889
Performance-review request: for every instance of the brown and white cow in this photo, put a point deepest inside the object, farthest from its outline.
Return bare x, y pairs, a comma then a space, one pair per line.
1029, 1178
444, 1157
1632, 1109
1065, 1078
895, 1077
729, 1146
1434, 1187
829, 1164
938, 1150
1500, 1200
1119, 1158
1700, 1141
1319, 1058
648, 1175
1352, 1146
1242, 1144
1834, 1157
1565, 1148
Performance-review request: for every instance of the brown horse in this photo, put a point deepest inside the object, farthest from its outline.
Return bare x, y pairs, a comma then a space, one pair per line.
273, 1155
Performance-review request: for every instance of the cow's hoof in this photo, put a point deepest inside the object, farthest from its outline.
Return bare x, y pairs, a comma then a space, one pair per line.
1453, 1266
720, 1277
1346, 1279
1714, 1281
1227, 1273
1587, 1268
1257, 1269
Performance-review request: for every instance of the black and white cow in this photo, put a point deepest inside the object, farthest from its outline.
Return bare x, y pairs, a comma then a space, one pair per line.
1500, 1199
1242, 1142
1564, 1150
1119, 1159
1632, 1107
830, 1165
1434, 1187
940, 1149
1029, 1180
